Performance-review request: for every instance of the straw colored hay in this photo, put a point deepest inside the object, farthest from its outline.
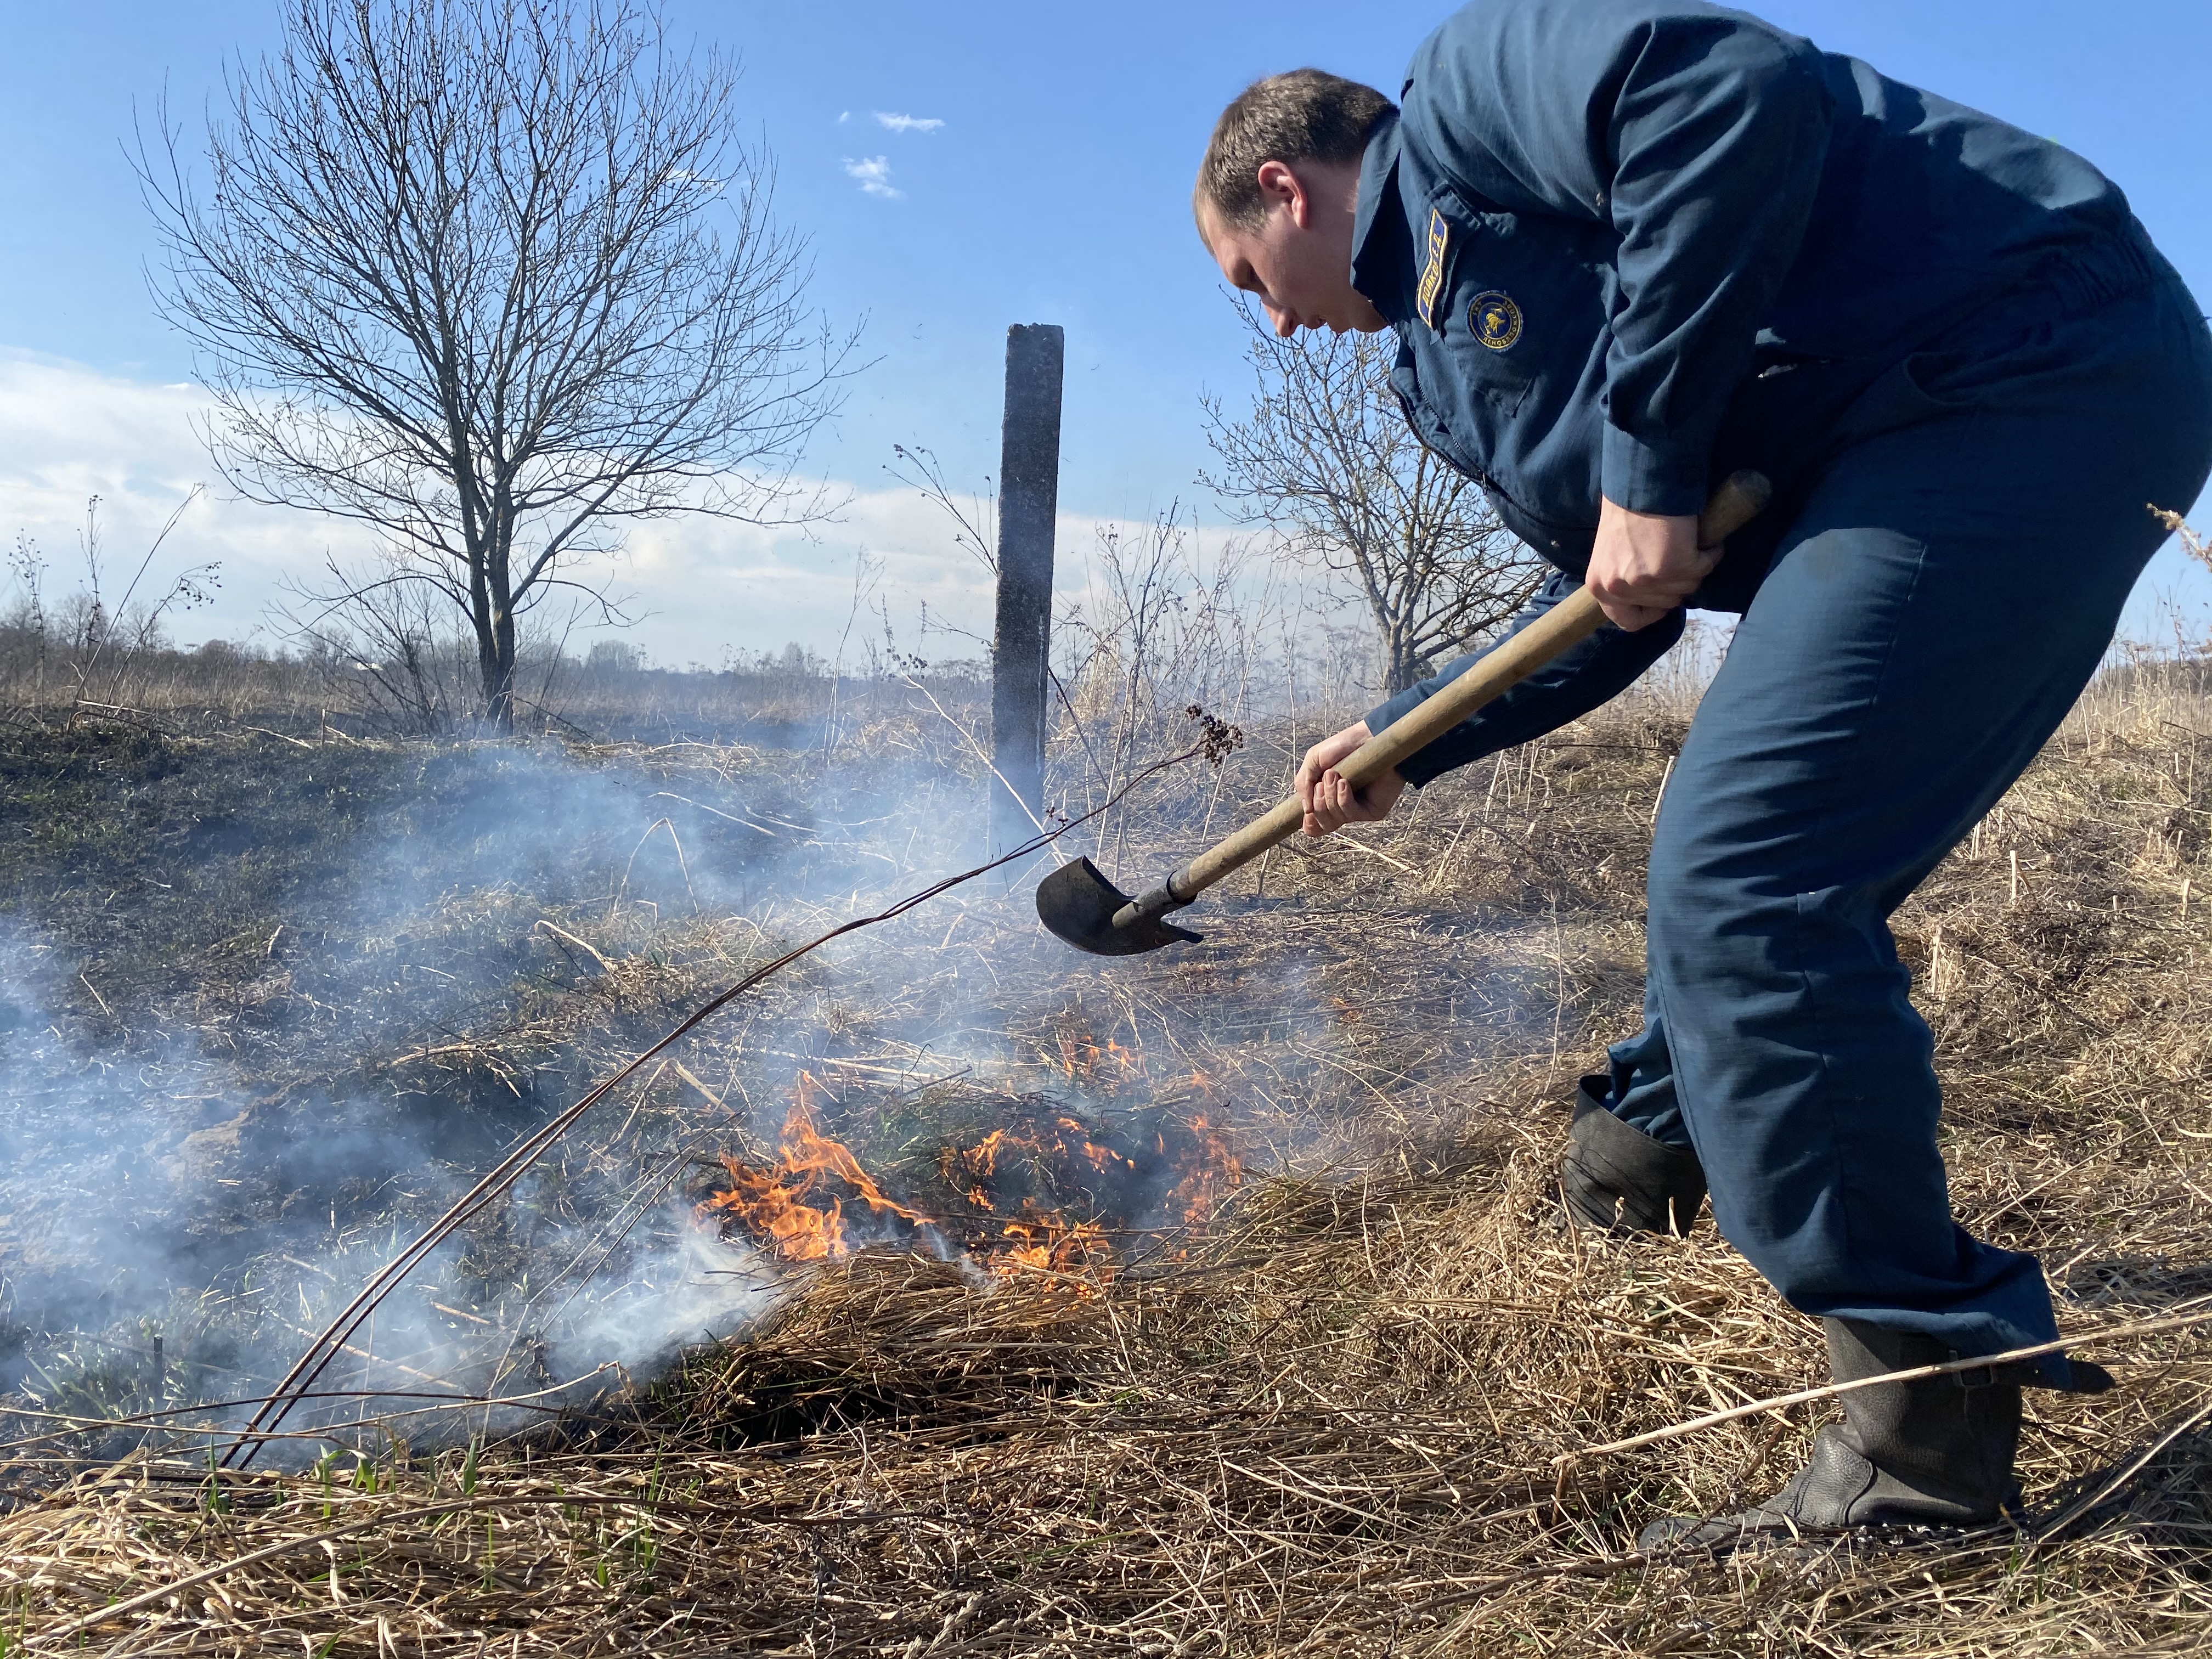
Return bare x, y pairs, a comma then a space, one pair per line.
1333, 1423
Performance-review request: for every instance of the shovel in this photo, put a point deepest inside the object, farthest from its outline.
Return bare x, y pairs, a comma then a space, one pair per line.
1081, 907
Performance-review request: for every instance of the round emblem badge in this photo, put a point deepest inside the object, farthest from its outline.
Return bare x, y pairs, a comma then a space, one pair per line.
1494, 319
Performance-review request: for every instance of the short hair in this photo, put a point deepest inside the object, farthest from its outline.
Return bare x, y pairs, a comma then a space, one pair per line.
1304, 115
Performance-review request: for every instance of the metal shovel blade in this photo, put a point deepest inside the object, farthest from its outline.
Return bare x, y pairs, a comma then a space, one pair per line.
1079, 905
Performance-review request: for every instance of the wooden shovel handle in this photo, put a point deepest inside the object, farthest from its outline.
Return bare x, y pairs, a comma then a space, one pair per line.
1741, 498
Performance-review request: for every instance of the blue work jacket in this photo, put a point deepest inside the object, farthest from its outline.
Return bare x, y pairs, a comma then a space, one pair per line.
1628, 245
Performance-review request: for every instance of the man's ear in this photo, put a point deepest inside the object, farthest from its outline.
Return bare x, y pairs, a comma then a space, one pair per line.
1281, 186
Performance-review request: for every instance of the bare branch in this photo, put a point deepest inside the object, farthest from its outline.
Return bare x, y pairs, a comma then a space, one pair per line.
1326, 460
497, 277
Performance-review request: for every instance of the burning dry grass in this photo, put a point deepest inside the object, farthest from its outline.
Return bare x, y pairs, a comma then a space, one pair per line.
1336, 1438
1326, 1409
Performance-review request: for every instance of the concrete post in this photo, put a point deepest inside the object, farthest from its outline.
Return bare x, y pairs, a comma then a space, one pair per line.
1029, 501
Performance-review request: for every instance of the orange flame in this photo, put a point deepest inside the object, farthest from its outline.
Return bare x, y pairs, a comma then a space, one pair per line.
982, 1158
773, 1203
1047, 1243
797, 1207
1208, 1178
1081, 1055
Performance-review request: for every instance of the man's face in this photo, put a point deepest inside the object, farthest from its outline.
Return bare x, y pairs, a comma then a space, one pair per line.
1297, 260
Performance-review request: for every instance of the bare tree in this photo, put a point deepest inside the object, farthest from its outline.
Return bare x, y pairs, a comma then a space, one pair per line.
1326, 460
494, 276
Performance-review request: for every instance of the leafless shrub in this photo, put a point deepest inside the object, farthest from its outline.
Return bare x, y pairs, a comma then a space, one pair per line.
102, 647
1325, 459
1164, 623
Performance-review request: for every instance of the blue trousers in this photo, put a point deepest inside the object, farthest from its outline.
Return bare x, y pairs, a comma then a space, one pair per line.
1946, 586
1941, 574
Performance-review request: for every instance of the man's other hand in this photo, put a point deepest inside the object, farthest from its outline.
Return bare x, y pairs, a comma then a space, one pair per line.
1644, 565
1330, 802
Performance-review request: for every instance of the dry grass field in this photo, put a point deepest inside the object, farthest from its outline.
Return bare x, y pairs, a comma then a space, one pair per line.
955, 1295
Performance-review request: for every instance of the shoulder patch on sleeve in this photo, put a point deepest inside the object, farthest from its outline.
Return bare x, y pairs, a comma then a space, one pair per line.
1432, 272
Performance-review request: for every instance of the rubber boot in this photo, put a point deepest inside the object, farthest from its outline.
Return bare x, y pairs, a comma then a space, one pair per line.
1617, 1179
1936, 1451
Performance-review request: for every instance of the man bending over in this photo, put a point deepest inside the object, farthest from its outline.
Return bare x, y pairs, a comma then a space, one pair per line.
1627, 247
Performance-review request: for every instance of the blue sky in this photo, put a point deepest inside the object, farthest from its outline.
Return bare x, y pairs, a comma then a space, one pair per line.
1056, 190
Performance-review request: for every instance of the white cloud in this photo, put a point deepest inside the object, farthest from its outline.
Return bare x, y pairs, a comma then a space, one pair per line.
67, 432
844, 116
907, 122
700, 585
874, 173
